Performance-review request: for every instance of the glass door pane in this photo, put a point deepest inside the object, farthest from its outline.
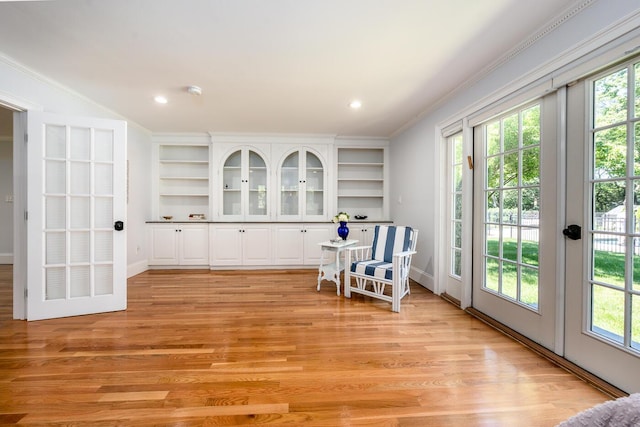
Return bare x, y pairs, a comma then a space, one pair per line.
257, 184
232, 182
615, 208
511, 204
314, 181
78, 206
290, 185
455, 209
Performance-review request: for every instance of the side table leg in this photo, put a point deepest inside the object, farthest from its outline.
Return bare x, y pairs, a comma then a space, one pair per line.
320, 269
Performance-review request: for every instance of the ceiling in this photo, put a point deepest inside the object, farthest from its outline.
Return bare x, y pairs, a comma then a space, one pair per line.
268, 66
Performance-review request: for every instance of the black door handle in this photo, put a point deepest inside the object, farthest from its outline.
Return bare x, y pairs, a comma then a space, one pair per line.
118, 225
573, 232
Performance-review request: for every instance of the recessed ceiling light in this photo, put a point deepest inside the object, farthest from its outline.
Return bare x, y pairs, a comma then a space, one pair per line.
355, 104
161, 99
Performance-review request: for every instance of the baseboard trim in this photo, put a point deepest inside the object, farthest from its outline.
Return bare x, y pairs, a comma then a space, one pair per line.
560, 361
448, 298
137, 268
6, 258
425, 280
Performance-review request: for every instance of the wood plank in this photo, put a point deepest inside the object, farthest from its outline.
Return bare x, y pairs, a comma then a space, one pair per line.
243, 347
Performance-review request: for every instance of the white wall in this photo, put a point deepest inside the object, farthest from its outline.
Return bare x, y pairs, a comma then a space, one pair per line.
6, 209
20, 86
139, 198
414, 152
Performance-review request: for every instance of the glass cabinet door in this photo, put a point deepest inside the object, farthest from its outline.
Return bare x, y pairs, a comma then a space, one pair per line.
245, 182
302, 186
290, 185
232, 182
314, 182
257, 184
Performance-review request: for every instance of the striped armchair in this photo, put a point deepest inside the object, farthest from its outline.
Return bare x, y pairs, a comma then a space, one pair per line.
382, 269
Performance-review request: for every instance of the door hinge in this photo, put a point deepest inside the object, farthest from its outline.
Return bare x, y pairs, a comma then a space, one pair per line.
26, 137
26, 293
26, 215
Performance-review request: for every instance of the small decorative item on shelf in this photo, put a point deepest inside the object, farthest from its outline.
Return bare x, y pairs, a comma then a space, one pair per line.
197, 216
343, 230
167, 217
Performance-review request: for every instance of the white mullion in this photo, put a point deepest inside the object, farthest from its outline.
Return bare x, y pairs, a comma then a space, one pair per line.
501, 150
451, 144
629, 241
67, 216
92, 210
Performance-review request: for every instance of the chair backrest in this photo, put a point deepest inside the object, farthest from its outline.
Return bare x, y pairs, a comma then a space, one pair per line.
391, 239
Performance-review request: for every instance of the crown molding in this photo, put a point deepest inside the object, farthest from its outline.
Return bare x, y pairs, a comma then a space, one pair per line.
552, 25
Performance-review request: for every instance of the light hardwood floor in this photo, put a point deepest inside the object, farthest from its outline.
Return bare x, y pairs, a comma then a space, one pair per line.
264, 347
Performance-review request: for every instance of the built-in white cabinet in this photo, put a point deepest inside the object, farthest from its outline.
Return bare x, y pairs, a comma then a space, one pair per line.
240, 244
268, 178
297, 244
302, 186
362, 232
268, 199
244, 186
179, 244
361, 182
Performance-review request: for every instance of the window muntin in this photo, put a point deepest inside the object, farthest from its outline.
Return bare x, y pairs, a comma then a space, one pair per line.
512, 206
455, 197
613, 283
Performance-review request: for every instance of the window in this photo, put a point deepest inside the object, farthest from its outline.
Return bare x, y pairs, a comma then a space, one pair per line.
512, 198
614, 232
455, 197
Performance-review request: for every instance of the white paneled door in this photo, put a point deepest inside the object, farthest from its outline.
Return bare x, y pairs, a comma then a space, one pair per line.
76, 216
515, 215
603, 250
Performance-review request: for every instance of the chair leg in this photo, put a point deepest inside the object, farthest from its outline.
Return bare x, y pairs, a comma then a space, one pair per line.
396, 295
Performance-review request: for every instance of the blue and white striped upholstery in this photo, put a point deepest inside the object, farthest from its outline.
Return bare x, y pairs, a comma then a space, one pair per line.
387, 240
380, 269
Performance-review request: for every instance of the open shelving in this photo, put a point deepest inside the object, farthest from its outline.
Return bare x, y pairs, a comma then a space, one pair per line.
360, 182
183, 180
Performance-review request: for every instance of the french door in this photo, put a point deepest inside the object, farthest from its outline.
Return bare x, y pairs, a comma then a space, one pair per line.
603, 183
455, 168
76, 216
515, 209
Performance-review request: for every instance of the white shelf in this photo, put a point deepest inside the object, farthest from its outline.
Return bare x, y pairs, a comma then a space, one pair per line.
183, 195
360, 181
360, 164
182, 179
186, 162
189, 178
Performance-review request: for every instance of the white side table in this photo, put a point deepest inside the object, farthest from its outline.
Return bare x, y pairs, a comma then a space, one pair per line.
332, 271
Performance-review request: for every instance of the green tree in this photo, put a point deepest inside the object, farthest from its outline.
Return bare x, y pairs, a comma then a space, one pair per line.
510, 158
610, 102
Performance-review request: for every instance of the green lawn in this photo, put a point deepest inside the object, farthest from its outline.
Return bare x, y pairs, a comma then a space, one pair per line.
529, 291
609, 267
